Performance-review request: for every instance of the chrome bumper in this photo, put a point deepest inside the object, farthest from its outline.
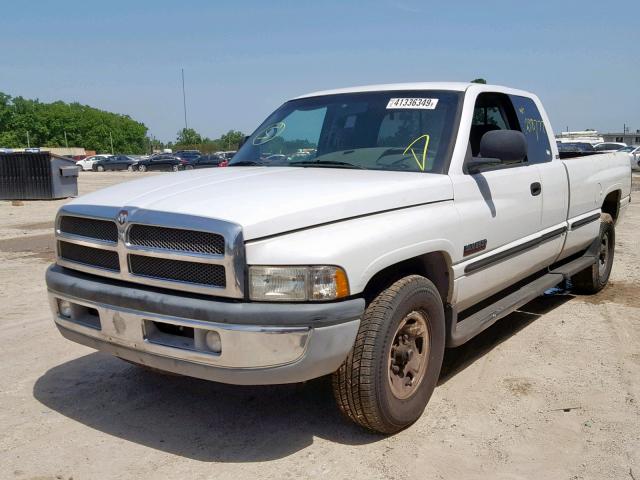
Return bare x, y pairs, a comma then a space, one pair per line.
244, 354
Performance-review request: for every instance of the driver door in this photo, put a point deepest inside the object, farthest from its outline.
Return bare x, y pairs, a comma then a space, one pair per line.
500, 212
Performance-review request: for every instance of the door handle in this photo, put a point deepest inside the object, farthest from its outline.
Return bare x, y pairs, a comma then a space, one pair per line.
536, 189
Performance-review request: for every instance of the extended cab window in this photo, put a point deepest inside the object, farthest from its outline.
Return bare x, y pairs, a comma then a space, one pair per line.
409, 131
532, 125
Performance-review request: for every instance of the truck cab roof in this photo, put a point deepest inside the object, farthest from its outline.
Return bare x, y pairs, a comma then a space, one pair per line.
451, 86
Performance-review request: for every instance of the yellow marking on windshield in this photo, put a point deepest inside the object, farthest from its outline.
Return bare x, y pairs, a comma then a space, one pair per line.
422, 165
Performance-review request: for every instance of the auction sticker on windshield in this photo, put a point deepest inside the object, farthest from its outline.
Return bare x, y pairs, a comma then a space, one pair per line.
422, 103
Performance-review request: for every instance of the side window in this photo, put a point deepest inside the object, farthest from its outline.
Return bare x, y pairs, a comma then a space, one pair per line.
533, 127
492, 111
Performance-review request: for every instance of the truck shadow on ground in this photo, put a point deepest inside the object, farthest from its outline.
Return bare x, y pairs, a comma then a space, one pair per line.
209, 422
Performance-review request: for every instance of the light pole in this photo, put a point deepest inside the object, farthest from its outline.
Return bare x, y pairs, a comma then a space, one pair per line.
28, 141
111, 138
66, 143
184, 100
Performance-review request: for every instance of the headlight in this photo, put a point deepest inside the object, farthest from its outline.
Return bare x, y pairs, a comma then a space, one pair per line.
297, 284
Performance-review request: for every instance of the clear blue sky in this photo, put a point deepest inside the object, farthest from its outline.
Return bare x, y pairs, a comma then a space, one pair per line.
244, 58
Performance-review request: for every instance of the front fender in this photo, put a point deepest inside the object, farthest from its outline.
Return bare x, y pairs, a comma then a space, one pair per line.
366, 245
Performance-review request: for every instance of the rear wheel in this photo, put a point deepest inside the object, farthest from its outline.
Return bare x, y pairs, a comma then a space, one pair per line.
175, 168
130, 168
189, 167
142, 168
388, 377
100, 168
595, 278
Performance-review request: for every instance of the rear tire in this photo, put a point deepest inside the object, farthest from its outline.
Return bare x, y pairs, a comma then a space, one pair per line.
595, 278
142, 168
130, 168
175, 168
388, 377
100, 168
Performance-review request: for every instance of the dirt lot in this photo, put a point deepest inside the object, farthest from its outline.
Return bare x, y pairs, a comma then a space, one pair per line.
552, 391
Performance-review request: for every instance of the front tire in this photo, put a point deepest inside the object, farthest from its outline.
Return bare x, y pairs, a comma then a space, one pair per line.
388, 377
100, 168
596, 277
142, 168
175, 168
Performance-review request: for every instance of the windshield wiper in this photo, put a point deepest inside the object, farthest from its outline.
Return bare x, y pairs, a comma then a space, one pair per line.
327, 163
245, 163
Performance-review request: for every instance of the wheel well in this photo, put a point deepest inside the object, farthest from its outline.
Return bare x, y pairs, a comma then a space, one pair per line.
435, 266
611, 204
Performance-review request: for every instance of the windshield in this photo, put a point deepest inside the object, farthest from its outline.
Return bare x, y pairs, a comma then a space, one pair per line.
396, 130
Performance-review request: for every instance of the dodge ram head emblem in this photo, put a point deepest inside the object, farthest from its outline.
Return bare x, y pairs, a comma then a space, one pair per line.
122, 217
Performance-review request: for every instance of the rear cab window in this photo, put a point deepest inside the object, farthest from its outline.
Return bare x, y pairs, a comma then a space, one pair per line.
534, 129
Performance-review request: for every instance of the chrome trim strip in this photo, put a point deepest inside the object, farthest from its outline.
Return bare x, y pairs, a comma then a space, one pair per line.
87, 242
233, 259
175, 254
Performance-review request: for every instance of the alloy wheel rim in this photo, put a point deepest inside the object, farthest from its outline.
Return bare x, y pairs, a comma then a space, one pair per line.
408, 356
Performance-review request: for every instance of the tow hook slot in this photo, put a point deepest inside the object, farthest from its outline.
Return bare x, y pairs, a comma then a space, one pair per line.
182, 337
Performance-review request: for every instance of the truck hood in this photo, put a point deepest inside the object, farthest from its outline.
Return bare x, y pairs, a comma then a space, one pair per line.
271, 200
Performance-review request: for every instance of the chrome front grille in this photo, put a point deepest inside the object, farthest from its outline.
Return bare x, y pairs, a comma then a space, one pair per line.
176, 239
93, 257
175, 251
178, 270
104, 230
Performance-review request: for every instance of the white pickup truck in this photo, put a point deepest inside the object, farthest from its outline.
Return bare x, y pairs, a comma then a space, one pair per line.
356, 233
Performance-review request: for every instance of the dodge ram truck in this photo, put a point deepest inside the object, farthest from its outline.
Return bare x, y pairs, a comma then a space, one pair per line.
356, 233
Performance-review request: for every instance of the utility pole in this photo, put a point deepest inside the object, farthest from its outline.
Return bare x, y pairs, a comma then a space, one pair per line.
28, 141
65, 139
184, 100
111, 138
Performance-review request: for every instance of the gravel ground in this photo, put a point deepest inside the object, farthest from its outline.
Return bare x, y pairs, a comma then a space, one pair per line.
551, 391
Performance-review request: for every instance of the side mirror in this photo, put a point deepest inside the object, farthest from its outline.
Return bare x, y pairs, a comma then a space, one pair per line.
505, 145
497, 147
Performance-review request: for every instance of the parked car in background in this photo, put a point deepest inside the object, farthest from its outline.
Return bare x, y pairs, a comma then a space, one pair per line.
188, 155
87, 163
575, 149
276, 159
608, 147
634, 156
115, 162
206, 161
227, 155
162, 161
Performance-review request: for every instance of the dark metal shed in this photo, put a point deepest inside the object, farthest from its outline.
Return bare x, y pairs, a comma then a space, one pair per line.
37, 176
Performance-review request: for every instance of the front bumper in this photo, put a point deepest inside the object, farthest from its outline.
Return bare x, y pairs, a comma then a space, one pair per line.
260, 343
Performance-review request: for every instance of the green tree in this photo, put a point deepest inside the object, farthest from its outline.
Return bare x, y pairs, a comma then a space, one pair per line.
188, 136
48, 123
231, 140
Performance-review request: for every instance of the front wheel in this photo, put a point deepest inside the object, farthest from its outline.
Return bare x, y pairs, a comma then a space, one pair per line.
596, 277
100, 168
388, 377
142, 168
130, 168
176, 168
